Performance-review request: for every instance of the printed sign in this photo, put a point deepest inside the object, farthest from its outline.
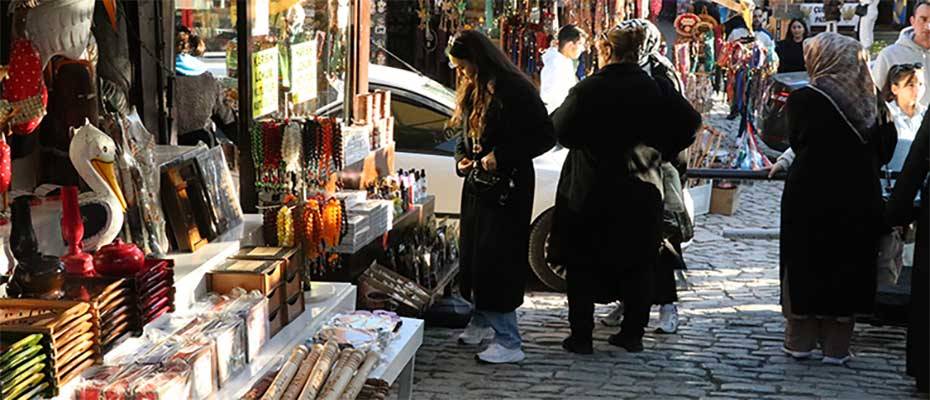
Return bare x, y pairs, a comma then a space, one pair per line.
264, 82
813, 12
303, 71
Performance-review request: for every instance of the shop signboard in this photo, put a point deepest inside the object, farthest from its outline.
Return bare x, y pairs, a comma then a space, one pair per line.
265, 82
303, 71
813, 13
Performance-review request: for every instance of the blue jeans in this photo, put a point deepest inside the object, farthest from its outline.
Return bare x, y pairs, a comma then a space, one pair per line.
506, 331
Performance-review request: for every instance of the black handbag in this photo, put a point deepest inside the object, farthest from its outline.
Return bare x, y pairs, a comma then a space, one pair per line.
862, 10
492, 187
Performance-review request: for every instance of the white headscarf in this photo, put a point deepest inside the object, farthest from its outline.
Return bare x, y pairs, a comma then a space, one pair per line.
649, 56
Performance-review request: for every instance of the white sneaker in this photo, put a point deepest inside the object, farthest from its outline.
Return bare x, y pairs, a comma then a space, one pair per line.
668, 319
497, 354
837, 361
474, 335
797, 355
615, 317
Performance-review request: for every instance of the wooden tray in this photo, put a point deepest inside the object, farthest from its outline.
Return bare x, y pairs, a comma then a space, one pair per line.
70, 329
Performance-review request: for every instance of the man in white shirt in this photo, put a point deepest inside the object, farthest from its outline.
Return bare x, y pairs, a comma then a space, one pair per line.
558, 73
758, 26
912, 47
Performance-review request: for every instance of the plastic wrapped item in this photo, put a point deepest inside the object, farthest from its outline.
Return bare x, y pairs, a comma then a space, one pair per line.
374, 321
169, 383
227, 213
229, 335
142, 147
201, 357
356, 338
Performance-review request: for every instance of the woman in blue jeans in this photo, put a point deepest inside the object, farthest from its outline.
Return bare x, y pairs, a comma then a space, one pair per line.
504, 126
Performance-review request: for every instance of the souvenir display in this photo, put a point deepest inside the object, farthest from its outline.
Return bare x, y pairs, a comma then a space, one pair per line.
62, 335
748, 66
425, 254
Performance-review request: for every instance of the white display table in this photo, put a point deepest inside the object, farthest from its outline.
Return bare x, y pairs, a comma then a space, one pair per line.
401, 357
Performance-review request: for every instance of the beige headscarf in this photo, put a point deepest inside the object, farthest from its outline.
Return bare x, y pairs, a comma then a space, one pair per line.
837, 66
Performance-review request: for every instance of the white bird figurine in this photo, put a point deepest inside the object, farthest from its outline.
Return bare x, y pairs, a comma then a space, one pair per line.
93, 154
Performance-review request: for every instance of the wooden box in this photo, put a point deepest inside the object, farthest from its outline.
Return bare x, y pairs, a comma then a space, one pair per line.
724, 200
293, 285
261, 275
294, 306
276, 321
70, 330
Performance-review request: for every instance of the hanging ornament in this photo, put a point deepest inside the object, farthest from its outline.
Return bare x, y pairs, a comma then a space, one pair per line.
291, 146
685, 24
24, 88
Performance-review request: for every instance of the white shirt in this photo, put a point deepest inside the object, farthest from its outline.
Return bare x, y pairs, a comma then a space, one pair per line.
761, 37
556, 78
907, 129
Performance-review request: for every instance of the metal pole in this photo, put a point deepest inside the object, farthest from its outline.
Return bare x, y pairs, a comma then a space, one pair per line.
351, 78
247, 195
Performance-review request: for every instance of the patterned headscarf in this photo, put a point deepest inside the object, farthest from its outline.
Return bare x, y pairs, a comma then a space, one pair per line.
837, 67
649, 57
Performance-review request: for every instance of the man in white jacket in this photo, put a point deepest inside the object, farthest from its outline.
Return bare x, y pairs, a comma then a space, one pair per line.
558, 73
913, 46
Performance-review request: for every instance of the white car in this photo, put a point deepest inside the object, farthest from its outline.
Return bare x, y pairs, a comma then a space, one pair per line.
421, 108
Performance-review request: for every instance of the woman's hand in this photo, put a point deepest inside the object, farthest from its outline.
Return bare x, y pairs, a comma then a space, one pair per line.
465, 165
778, 166
489, 162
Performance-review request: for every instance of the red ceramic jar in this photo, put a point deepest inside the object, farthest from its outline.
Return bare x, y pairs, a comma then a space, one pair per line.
119, 259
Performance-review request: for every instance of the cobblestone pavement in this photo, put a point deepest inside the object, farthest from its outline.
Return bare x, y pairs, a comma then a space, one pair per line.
728, 345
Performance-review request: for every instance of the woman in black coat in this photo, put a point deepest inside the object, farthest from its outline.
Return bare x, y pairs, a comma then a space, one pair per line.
618, 125
831, 219
900, 211
791, 50
505, 126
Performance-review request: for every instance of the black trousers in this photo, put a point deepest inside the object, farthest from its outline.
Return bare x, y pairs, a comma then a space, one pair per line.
587, 283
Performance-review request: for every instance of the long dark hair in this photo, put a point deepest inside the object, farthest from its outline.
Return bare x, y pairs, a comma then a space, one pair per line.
807, 31
474, 96
899, 74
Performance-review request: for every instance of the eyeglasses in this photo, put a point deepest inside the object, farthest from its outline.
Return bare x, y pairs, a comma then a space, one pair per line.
901, 68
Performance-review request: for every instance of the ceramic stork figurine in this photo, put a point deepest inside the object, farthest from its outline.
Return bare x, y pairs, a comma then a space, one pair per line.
93, 154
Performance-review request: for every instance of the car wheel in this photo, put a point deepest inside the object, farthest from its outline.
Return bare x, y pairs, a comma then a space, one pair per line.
552, 276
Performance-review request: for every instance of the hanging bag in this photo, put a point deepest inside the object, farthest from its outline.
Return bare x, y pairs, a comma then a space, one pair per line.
491, 187
890, 260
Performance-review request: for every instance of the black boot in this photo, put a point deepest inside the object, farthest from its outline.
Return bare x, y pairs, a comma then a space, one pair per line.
577, 346
632, 345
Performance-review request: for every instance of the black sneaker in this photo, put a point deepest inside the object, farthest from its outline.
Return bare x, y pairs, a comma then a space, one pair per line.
577, 346
631, 345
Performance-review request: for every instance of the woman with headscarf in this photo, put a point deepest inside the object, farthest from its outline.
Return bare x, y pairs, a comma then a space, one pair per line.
676, 223
831, 219
504, 127
608, 211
